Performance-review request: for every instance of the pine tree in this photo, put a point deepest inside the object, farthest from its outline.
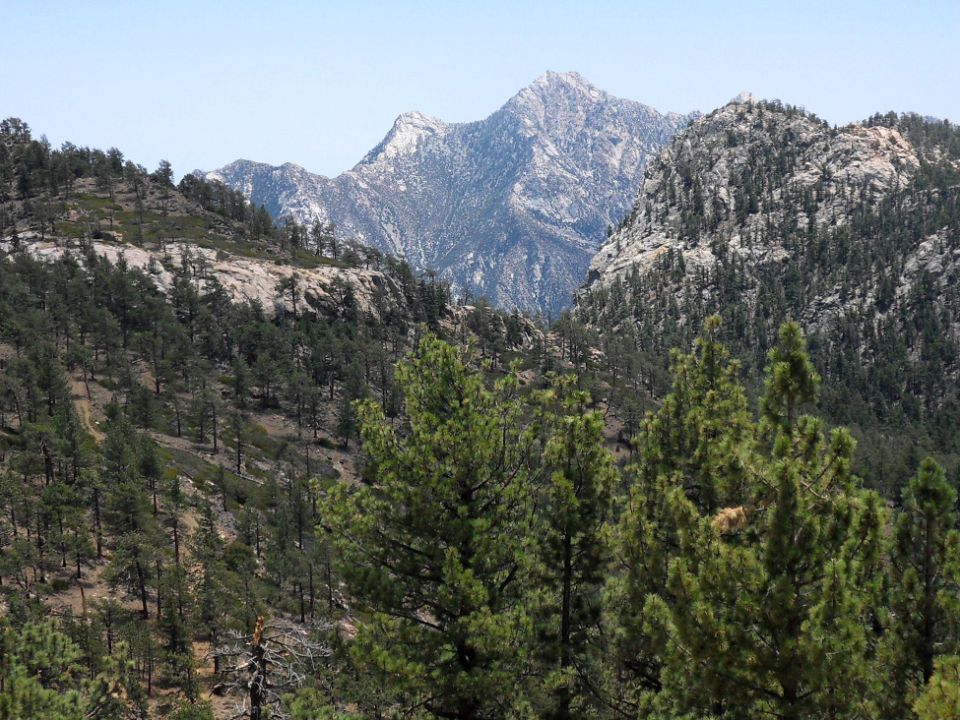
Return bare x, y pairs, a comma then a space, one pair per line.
432, 550
766, 617
128, 511
790, 378
572, 555
924, 585
940, 699
694, 444
44, 676
213, 585
697, 435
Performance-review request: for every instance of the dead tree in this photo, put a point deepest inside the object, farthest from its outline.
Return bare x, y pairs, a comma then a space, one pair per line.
280, 657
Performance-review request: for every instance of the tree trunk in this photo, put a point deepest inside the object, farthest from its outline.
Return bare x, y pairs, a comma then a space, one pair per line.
176, 539
258, 674
563, 699
213, 413
142, 584
159, 594
96, 522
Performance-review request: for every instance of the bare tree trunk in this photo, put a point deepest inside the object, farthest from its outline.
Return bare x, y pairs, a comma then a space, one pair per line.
258, 673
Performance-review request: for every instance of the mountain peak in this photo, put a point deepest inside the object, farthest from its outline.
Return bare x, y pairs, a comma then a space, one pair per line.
416, 119
559, 84
509, 207
555, 92
569, 79
745, 97
408, 130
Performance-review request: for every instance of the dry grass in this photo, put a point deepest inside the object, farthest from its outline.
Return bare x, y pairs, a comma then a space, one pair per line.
730, 520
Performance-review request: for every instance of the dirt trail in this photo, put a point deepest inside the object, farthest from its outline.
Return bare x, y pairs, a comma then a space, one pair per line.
78, 394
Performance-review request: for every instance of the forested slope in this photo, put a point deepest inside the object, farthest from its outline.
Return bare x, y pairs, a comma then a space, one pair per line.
338, 495
762, 212
176, 385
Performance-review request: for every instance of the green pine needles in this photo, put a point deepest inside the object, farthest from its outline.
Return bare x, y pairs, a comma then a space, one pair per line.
499, 564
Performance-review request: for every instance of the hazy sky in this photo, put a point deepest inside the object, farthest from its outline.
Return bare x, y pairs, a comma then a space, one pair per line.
319, 83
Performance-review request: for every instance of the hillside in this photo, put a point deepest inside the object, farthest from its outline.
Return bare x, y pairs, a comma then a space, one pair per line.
199, 380
243, 479
761, 212
510, 208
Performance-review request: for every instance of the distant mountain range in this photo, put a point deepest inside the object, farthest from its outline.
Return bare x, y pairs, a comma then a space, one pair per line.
511, 207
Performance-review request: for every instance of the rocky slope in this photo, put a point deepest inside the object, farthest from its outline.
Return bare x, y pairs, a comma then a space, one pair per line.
511, 207
218, 250
746, 179
243, 279
763, 213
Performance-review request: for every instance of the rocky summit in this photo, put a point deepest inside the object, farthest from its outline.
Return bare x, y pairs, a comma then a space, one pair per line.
747, 180
511, 207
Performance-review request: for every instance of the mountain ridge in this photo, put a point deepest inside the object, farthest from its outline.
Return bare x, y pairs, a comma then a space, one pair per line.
763, 213
878, 158
510, 207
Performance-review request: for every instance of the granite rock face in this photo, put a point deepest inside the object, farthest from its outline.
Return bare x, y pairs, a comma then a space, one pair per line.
243, 279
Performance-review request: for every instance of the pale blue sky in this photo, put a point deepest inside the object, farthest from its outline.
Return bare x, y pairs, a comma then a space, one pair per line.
319, 83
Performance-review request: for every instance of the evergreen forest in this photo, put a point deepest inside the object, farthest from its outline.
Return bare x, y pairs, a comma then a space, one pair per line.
393, 504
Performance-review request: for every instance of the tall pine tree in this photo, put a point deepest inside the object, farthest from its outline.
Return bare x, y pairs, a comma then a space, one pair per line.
575, 493
924, 584
765, 617
432, 549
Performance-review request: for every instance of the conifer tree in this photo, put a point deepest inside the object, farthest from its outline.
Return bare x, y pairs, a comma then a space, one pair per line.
695, 443
940, 699
44, 676
128, 511
213, 586
696, 436
766, 618
571, 552
924, 585
432, 550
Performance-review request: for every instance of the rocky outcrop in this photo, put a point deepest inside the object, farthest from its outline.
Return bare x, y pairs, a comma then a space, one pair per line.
761, 191
744, 168
511, 207
320, 289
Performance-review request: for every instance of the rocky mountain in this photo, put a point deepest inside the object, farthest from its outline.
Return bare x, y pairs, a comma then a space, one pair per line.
511, 207
720, 188
761, 212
